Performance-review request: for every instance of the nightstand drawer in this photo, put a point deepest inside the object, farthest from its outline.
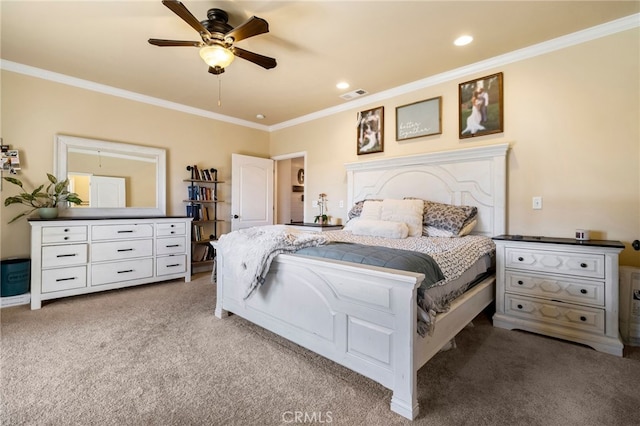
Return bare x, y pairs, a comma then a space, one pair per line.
560, 314
71, 254
582, 265
556, 288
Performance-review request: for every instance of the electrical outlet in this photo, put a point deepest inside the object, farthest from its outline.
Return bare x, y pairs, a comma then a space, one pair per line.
537, 203
341, 204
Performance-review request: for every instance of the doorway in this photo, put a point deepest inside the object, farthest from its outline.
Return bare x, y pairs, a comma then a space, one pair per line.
290, 187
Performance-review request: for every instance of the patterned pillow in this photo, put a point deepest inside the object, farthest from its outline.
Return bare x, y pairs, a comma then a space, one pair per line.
447, 216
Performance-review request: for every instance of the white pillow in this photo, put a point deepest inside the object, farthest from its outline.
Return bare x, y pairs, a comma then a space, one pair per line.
378, 228
371, 210
406, 211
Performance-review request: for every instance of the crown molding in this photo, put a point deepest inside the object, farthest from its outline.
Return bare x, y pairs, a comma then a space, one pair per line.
603, 30
599, 31
114, 91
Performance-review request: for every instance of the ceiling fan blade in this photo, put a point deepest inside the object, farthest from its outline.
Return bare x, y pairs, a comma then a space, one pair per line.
158, 42
263, 61
179, 9
216, 70
250, 28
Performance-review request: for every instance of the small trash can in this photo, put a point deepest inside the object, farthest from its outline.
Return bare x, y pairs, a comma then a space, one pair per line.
15, 277
630, 305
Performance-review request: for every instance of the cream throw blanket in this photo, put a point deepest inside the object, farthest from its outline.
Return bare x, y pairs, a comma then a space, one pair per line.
249, 252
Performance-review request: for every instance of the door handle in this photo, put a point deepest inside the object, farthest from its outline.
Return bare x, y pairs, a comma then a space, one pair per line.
235, 216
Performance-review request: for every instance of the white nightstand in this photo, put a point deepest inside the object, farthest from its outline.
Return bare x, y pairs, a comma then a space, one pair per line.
559, 287
314, 227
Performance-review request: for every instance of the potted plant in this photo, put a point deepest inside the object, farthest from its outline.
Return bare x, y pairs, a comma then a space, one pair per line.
45, 201
322, 217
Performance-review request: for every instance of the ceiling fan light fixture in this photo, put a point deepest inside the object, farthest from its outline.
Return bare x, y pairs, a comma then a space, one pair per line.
216, 56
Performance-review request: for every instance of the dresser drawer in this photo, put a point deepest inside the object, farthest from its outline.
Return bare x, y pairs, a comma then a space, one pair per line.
64, 279
168, 229
115, 232
560, 314
167, 265
116, 250
107, 273
64, 234
69, 254
174, 245
583, 265
556, 288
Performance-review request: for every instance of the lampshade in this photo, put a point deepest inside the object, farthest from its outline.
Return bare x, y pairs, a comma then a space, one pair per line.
216, 56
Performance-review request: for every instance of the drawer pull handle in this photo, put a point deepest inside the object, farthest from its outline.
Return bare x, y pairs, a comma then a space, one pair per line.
173, 232
583, 265
66, 279
172, 226
520, 259
583, 291
67, 255
171, 266
173, 245
129, 249
126, 231
66, 238
519, 306
583, 318
66, 229
124, 272
520, 282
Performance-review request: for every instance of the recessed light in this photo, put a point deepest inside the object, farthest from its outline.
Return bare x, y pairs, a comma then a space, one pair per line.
463, 40
342, 85
260, 116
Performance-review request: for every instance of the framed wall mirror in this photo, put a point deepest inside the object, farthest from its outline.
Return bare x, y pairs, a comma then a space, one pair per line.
113, 179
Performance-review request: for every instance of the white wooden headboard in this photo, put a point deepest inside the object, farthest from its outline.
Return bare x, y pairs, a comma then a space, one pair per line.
470, 176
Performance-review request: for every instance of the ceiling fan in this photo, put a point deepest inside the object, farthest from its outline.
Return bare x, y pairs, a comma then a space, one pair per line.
217, 47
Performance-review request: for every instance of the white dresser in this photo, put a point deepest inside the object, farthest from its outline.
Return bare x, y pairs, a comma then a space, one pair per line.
559, 287
78, 256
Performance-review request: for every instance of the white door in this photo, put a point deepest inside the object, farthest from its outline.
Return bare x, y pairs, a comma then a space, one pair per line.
251, 191
106, 192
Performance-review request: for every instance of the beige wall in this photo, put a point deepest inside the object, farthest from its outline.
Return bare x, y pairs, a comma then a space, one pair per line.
35, 110
571, 117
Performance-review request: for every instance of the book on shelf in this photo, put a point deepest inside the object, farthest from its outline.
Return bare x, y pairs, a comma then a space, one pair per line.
207, 175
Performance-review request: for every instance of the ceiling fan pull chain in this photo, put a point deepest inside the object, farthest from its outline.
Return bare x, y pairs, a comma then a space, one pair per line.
219, 91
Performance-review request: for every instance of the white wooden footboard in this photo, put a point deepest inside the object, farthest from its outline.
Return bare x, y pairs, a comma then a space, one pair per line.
359, 316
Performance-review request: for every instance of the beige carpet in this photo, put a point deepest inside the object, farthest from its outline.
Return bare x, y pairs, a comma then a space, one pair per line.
156, 355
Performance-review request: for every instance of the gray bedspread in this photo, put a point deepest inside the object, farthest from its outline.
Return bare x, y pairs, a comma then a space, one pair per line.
404, 260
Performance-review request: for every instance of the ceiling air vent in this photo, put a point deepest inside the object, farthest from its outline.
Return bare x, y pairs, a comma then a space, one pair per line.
355, 94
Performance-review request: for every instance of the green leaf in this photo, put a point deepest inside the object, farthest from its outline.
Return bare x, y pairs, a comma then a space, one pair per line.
13, 181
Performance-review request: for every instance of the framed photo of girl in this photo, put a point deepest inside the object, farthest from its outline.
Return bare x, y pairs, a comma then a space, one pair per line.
480, 106
370, 131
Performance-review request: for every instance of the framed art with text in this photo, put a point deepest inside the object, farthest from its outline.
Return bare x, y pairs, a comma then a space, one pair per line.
480, 106
423, 118
370, 131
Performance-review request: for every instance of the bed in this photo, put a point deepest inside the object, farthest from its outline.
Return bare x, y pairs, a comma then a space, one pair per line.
364, 317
